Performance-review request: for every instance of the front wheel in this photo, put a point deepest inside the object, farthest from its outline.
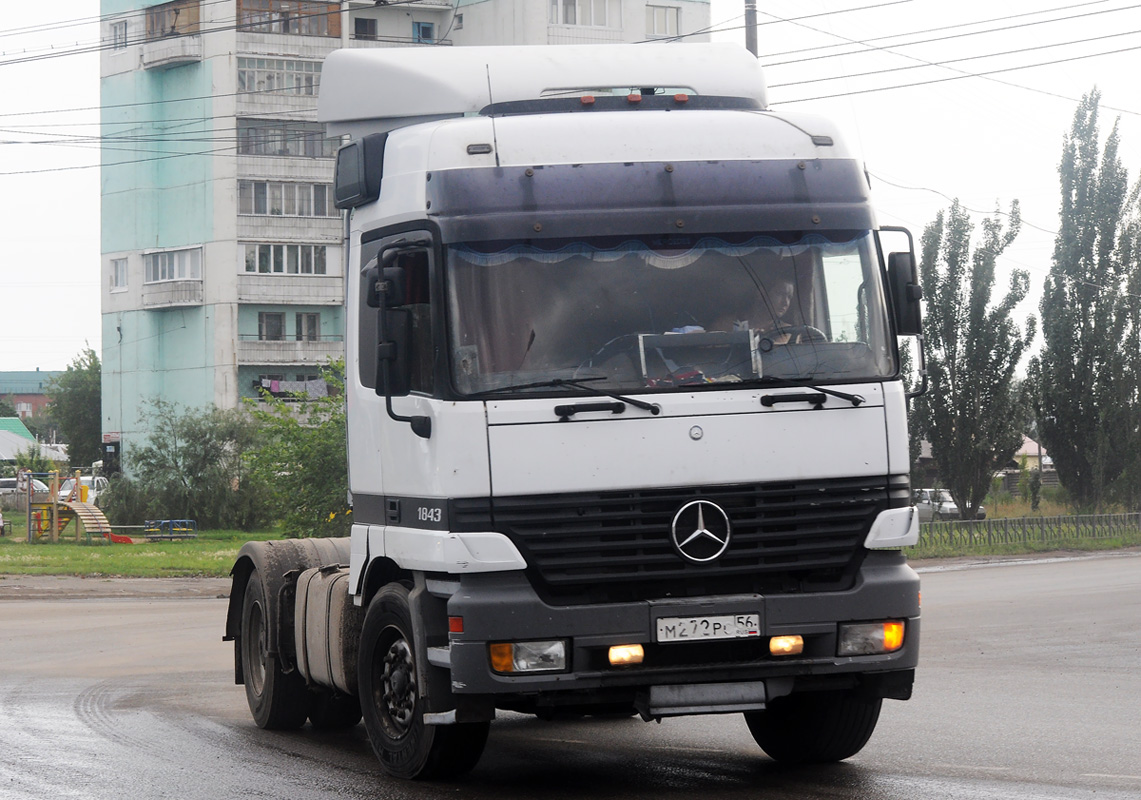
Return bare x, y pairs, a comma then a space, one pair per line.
815, 728
393, 704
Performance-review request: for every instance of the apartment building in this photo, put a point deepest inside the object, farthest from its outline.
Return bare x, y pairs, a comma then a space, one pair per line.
222, 272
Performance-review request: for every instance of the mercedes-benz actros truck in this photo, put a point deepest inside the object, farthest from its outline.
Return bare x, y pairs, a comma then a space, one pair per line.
626, 422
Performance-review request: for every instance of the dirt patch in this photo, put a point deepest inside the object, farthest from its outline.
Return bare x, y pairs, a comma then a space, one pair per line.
63, 587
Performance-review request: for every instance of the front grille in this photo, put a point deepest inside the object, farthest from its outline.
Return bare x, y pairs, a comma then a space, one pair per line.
600, 547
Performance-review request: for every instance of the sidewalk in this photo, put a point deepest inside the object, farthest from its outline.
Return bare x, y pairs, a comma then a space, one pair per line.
62, 587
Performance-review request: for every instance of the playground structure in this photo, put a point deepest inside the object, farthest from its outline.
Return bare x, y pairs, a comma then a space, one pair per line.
50, 515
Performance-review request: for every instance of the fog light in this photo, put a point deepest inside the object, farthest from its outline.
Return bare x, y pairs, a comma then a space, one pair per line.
786, 645
623, 654
870, 638
515, 657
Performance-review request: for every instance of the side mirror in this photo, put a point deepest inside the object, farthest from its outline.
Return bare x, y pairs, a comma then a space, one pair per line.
906, 293
384, 285
393, 364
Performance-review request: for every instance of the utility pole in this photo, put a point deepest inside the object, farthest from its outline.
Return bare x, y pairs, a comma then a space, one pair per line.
751, 26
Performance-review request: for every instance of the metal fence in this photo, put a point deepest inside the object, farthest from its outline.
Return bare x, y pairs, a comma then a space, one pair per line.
1028, 530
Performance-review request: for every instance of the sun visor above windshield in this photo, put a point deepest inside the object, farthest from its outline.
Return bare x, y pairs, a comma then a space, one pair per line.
599, 199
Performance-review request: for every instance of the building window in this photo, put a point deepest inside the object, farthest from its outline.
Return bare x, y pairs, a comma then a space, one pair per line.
595, 13
173, 265
271, 326
424, 32
278, 137
303, 17
663, 20
308, 328
119, 34
364, 28
285, 199
118, 274
458, 22
285, 259
282, 75
172, 19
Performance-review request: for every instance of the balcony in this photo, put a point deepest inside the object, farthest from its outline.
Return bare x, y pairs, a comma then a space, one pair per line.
172, 51
308, 290
172, 294
264, 352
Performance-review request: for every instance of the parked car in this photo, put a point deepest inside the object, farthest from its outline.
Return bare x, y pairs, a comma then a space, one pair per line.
937, 505
9, 491
95, 485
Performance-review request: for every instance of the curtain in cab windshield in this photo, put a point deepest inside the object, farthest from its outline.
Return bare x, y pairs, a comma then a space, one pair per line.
655, 314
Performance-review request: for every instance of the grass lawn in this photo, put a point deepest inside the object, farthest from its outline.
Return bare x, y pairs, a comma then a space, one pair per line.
210, 555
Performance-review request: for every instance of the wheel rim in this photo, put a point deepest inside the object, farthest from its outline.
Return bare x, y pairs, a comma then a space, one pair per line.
397, 685
256, 649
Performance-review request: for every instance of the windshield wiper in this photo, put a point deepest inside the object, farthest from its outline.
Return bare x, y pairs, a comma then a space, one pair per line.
579, 384
854, 399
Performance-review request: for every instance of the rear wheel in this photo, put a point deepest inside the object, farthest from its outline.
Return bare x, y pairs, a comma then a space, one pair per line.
392, 701
278, 701
814, 728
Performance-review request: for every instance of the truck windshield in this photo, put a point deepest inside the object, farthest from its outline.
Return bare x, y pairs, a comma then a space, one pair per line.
658, 313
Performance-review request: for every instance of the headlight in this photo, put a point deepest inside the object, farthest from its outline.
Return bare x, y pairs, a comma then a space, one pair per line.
870, 638
510, 658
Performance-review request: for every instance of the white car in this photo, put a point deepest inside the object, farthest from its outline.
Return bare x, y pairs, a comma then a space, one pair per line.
937, 505
95, 485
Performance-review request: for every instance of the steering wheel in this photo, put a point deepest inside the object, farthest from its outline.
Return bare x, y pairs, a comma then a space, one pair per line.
802, 334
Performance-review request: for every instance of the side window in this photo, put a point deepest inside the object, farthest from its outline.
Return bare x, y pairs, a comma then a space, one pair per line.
417, 303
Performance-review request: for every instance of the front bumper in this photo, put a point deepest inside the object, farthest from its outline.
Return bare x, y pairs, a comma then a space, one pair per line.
738, 674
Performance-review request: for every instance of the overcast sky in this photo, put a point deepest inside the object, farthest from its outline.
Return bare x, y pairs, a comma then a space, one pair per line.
990, 91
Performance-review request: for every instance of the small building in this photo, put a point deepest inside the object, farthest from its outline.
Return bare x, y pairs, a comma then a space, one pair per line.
27, 390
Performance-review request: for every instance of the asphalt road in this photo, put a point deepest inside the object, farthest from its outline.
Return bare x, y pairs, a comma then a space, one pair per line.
1029, 688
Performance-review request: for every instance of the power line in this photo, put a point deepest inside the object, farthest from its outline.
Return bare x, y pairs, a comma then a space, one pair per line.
964, 74
945, 62
870, 49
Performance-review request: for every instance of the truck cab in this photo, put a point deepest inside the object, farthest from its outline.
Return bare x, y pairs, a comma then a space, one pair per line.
626, 429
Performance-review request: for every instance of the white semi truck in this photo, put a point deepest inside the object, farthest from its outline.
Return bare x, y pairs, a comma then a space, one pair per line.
626, 427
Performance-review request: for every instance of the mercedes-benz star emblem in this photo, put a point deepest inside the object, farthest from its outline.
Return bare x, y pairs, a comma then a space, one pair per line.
701, 531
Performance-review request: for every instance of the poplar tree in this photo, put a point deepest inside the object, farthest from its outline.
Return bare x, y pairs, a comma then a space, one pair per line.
1084, 393
974, 413
76, 405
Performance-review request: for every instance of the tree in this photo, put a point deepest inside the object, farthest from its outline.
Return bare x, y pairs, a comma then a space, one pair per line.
6, 408
1129, 248
974, 413
1083, 386
304, 459
192, 467
77, 408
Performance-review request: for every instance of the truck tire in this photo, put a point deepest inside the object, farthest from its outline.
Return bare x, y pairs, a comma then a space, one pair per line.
278, 701
816, 727
393, 706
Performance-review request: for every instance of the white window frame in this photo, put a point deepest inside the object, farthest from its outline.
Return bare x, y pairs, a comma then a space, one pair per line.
307, 326
661, 18
254, 199
118, 274
273, 258
284, 138
278, 75
264, 318
369, 23
119, 34
586, 13
163, 266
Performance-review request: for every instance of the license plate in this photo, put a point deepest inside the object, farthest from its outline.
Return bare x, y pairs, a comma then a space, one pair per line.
723, 626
